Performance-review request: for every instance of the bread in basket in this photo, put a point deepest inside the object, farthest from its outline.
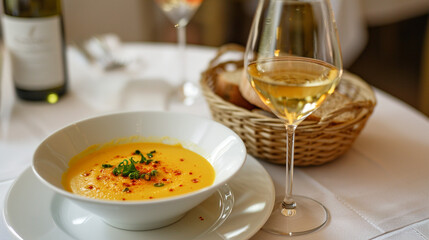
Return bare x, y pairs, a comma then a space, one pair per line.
322, 137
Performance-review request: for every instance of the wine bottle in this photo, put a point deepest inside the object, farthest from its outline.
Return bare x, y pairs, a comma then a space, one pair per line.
33, 34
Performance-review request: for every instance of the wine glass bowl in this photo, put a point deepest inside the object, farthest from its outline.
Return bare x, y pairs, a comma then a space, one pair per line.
292, 87
293, 62
179, 11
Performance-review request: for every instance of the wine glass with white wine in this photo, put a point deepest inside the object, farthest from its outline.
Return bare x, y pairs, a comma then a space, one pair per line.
293, 62
180, 12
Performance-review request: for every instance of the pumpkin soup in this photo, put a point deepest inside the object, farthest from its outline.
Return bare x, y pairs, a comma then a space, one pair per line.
138, 171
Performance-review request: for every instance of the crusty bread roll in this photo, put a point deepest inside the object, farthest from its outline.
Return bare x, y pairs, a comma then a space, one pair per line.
333, 103
227, 87
249, 94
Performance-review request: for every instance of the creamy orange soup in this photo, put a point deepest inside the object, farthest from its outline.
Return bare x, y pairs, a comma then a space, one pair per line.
138, 171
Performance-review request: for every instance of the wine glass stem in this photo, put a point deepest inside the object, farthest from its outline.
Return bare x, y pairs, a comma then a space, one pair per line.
181, 42
288, 202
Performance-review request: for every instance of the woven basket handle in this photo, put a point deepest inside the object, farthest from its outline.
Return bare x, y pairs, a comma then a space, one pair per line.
231, 47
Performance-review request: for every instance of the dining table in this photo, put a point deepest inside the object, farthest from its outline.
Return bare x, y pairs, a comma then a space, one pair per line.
378, 189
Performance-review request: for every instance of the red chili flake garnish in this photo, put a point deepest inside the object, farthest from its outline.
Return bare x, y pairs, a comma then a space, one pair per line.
86, 174
126, 184
190, 173
123, 199
155, 166
195, 180
201, 218
117, 156
98, 178
182, 160
90, 187
170, 189
164, 179
177, 173
150, 197
180, 185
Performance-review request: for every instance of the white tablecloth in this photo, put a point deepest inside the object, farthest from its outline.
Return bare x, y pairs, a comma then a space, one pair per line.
378, 189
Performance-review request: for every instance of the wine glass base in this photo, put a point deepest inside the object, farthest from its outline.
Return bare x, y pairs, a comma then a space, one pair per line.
308, 216
187, 93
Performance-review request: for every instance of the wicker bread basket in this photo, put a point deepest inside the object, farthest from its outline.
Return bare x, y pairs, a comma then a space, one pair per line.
317, 140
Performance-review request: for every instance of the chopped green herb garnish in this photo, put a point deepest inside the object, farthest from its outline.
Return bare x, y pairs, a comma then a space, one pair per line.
153, 172
159, 184
146, 176
134, 175
126, 190
150, 155
105, 165
132, 160
116, 171
127, 167
143, 159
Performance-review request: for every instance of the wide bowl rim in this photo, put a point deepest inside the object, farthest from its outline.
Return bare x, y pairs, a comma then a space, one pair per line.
185, 196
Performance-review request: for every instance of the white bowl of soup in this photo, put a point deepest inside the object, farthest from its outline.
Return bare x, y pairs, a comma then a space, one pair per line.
139, 170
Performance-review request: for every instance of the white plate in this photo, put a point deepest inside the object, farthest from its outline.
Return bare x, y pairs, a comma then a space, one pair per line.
32, 211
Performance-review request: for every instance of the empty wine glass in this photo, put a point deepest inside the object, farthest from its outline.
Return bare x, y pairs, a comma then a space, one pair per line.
293, 62
180, 12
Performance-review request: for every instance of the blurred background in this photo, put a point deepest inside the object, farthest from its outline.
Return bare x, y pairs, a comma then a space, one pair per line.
386, 42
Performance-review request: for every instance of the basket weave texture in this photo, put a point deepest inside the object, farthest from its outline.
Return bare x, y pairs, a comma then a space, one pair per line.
317, 140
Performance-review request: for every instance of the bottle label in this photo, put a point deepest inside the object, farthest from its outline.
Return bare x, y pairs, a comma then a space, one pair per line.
35, 49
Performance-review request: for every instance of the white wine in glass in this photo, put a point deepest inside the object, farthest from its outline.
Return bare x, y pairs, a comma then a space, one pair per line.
293, 62
180, 12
